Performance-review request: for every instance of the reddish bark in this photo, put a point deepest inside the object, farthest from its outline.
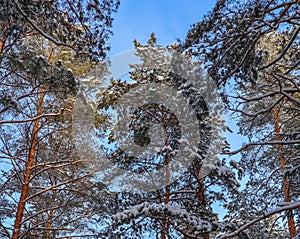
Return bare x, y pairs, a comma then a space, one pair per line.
201, 198
49, 223
285, 179
2, 43
28, 171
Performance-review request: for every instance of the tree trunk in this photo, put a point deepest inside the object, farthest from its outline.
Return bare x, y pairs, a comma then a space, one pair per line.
49, 223
285, 179
2, 42
201, 198
27, 171
165, 223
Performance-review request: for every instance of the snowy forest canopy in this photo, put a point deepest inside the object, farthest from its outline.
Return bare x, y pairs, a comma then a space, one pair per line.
241, 60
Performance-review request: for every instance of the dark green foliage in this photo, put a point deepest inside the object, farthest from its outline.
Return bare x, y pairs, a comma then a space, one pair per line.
188, 208
251, 49
81, 25
226, 39
36, 101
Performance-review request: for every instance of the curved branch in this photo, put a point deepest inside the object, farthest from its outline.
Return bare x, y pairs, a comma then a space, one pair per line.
264, 216
56, 186
31, 119
261, 143
284, 50
37, 28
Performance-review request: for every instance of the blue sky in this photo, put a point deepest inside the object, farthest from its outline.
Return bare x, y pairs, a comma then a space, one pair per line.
168, 19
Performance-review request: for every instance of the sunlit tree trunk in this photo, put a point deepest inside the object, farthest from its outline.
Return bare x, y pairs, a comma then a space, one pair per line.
28, 169
285, 179
2, 42
49, 223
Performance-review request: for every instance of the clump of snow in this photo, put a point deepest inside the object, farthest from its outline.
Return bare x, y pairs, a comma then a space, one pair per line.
180, 216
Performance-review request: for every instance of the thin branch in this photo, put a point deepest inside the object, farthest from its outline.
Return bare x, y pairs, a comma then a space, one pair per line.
260, 111
283, 92
5, 230
32, 119
284, 50
42, 211
260, 97
37, 28
76, 236
292, 68
186, 234
273, 142
264, 216
56, 186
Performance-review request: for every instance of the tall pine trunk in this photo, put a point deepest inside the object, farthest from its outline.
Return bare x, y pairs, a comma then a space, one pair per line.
165, 222
28, 170
285, 179
201, 192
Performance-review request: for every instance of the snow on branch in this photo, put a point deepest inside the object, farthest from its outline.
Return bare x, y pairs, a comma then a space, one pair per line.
182, 219
290, 206
272, 106
37, 28
32, 119
284, 50
261, 143
54, 187
266, 95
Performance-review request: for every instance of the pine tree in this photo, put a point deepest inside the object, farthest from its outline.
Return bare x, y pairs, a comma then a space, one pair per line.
251, 49
43, 175
182, 208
